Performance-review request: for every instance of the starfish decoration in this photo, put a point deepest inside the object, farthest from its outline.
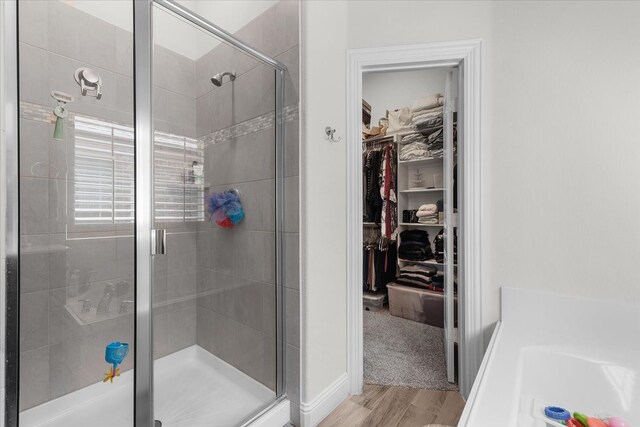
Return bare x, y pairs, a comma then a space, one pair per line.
109, 376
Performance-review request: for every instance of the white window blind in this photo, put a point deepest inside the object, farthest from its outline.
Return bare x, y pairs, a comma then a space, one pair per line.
103, 172
104, 175
177, 197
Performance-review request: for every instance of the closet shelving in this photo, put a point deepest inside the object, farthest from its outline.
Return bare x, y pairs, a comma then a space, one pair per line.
419, 161
433, 171
411, 198
428, 262
422, 190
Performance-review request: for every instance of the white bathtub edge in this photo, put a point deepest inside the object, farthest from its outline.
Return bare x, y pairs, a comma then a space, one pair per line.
465, 418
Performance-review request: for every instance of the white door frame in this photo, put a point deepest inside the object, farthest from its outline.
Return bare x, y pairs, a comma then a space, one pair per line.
465, 55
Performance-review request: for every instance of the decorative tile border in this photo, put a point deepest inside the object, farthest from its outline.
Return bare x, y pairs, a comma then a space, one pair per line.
265, 121
37, 112
43, 113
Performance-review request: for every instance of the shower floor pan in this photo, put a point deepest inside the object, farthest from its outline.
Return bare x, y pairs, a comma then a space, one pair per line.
192, 388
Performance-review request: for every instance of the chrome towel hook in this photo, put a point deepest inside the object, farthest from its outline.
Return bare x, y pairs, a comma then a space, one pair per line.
329, 131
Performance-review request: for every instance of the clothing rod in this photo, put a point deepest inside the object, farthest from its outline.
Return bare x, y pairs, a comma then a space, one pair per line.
378, 139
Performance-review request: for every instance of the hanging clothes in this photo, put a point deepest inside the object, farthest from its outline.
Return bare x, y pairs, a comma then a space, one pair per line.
379, 207
385, 264
389, 221
372, 199
379, 268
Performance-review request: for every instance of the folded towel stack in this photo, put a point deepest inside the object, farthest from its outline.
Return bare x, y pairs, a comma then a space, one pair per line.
413, 146
428, 214
427, 103
427, 119
416, 276
415, 246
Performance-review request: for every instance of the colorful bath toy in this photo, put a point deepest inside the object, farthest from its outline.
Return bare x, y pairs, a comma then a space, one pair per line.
557, 413
596, 422
617, 422
582, 418
115, 353
587, 421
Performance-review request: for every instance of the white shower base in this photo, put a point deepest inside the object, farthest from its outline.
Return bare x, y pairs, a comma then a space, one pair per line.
192, 388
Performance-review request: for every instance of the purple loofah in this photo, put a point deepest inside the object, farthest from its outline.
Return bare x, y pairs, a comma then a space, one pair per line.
225, 208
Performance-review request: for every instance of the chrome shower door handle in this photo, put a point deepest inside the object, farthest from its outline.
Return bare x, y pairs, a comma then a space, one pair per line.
158, 242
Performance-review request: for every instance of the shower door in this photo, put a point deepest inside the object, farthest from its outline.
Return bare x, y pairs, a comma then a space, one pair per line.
133, 299
74, 299
213, 197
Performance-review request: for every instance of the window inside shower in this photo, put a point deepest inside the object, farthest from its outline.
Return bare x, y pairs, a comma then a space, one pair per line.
103, 184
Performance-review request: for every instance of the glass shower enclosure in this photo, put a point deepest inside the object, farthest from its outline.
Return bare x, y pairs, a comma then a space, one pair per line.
144, 247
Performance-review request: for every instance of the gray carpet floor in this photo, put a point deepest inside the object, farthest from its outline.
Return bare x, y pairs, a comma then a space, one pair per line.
402, 352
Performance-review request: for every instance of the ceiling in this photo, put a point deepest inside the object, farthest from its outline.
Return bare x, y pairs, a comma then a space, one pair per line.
174, 33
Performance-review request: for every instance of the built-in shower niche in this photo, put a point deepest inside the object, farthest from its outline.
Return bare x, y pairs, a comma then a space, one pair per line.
95, 302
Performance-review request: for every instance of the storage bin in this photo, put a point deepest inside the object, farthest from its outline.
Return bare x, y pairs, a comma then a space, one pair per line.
373, 302
419, 305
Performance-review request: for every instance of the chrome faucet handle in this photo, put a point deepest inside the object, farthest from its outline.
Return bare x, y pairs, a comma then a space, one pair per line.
124, 306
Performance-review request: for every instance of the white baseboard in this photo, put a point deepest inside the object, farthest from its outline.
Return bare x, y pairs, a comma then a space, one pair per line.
278, 416
311, 413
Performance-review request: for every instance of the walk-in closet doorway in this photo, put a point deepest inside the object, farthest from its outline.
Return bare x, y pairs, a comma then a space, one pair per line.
409, 168
461, 62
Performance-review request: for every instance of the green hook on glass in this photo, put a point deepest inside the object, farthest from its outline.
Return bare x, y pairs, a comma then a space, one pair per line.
60, 112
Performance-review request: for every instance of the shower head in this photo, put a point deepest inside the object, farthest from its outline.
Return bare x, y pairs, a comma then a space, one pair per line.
217, 79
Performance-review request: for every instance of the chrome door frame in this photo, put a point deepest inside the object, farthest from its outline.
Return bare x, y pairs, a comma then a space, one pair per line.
143, 164
12, 231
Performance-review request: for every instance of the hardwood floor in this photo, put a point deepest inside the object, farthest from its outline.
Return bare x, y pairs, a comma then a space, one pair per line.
386, 406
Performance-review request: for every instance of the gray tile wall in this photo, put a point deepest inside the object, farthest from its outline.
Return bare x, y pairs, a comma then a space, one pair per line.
236, 302
174, 111
61, 262
231, 272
